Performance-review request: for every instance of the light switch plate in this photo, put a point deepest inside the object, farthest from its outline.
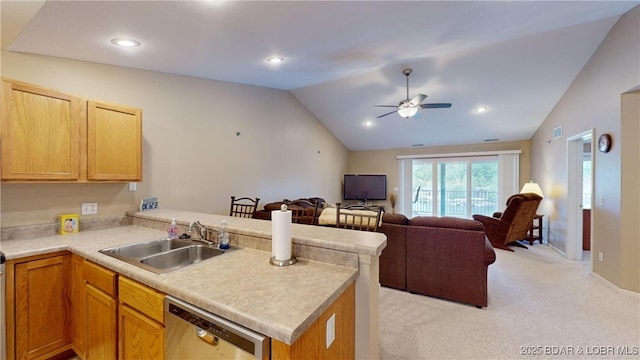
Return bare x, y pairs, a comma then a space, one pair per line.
331, 330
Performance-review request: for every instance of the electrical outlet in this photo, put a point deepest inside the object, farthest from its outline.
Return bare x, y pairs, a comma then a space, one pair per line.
89, 208
601, 201
331, 330
133, 186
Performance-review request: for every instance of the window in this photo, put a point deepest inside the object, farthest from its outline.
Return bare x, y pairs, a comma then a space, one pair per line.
586, 183
458, 186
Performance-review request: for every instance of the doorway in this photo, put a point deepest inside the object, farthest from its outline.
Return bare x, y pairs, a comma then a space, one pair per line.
580, 188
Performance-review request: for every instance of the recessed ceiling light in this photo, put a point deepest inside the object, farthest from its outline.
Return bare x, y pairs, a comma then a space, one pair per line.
481, 109
275, 59
124, 42
368, 123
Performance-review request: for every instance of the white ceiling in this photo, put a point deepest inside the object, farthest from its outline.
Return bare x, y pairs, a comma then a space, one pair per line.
342, 57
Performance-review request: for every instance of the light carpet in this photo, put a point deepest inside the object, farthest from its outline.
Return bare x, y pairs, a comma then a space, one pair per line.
541, 306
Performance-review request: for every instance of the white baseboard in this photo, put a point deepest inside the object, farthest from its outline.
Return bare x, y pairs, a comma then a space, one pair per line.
611, 285
606, 282
564, 255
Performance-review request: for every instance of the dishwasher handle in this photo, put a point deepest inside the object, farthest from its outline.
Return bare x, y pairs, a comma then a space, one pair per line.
206, 336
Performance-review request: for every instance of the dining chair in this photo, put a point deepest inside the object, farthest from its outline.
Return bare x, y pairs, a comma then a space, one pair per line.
244, 207
358, 217
302, 211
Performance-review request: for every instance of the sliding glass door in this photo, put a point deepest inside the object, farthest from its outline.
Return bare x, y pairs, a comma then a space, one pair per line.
454, 187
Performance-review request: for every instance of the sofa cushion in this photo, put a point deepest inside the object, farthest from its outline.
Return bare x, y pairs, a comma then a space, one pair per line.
318, 200
446, 222
397, 219
489, 253
273, 206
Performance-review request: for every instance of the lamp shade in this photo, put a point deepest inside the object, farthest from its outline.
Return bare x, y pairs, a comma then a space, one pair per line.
532, 187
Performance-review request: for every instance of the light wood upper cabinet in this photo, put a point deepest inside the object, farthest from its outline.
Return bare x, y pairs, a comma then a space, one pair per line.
41, 130
51, 136
114, 142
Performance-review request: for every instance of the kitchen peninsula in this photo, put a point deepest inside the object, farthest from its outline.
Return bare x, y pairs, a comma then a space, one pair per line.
241, 286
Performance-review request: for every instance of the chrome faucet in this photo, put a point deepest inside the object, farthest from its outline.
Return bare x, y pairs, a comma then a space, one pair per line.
202, 232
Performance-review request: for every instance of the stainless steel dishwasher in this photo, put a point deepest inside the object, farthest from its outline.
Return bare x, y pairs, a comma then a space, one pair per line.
193, 333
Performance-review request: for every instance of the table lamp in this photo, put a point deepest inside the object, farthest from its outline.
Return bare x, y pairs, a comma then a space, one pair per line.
532, 187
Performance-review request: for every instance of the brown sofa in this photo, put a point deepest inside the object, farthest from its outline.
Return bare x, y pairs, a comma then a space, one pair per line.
444, 257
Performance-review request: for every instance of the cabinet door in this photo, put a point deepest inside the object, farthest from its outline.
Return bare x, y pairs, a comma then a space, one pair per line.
41, 132
101, 317
114, 142
42, 298
140, 337
78, 305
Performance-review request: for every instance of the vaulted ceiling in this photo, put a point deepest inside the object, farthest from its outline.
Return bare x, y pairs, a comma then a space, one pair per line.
516, 58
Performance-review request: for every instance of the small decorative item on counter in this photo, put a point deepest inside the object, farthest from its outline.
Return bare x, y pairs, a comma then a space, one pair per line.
69, 223
148, 203
223, 236
173, 229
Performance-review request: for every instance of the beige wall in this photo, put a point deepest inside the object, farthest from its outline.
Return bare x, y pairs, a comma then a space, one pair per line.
630, 201
593, 102
386, 162
194, 158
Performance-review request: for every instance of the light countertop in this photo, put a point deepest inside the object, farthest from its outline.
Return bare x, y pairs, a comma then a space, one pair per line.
241, 285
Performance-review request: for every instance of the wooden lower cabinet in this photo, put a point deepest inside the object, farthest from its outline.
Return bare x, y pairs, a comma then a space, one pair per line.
140, 337
102, 341
312, 344
78, 331
38, 291
100, 312
61, 302
141, 321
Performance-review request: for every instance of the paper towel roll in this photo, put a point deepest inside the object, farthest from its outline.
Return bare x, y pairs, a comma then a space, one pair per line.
281, 234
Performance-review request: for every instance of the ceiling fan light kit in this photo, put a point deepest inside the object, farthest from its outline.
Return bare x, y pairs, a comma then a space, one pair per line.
409, 107
407, 111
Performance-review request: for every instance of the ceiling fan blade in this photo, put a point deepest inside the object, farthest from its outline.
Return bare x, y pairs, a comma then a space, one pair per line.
389, 113
435, 106
417, 99
393, 106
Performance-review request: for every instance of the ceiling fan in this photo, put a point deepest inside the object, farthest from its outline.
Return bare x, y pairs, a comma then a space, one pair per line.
409, 107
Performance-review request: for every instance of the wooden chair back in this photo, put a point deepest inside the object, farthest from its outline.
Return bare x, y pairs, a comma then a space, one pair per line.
303, 211
358, 217
243, 207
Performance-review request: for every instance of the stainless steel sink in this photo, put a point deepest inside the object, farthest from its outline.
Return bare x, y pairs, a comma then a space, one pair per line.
162, 256
144, 249
179, 258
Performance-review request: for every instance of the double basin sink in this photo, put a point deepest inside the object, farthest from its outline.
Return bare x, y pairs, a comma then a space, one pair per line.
163, 256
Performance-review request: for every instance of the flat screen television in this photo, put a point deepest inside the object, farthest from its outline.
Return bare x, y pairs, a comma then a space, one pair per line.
365, 187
